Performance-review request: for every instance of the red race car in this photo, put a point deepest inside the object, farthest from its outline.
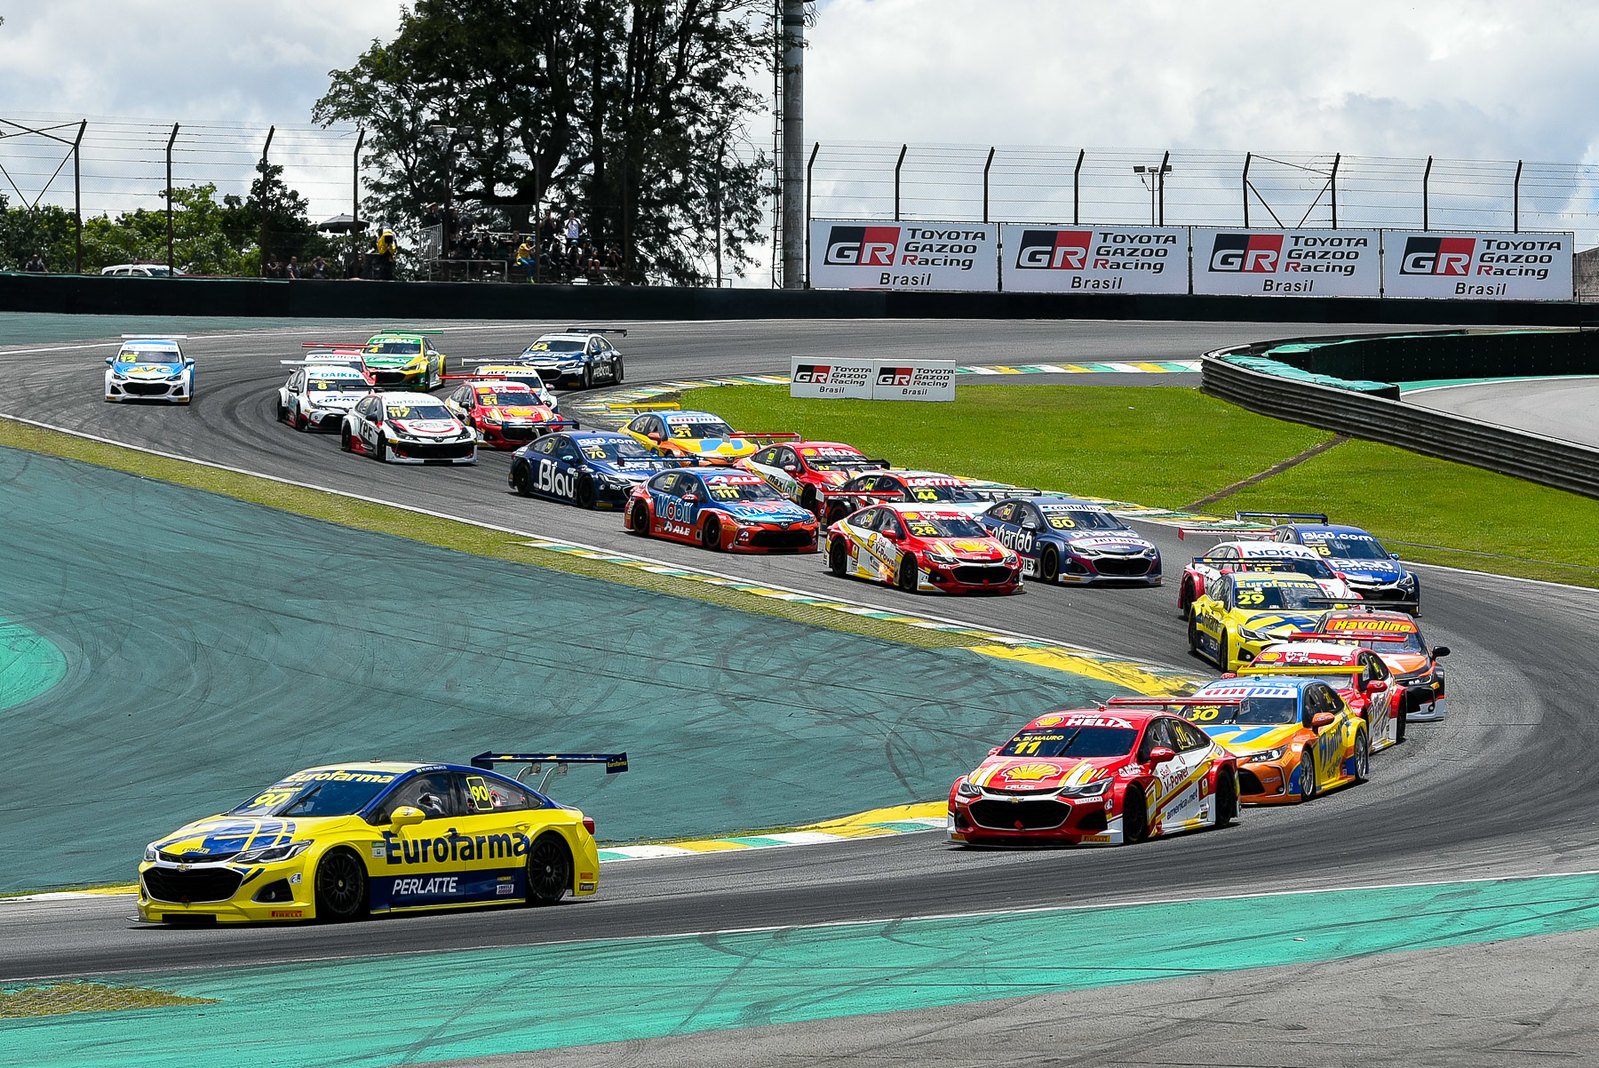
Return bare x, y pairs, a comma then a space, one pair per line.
1106, 776
920, 547
806, 471
506, 415
719, 508
1359, 675
1396, 637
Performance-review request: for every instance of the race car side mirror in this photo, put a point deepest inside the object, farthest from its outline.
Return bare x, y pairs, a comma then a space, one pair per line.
655, 435
1161, 754
790, 468
1442, 650
691, 498
110, 359
891, 535
1321, 719
994, 750
1393, 556
406, 816
1376, 687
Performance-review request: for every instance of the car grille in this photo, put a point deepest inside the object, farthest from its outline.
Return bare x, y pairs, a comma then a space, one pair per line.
147, 389
983, 574
1248, 783
389, 378
208, 858
1122, 566
519, 432
1030, 815
197, 884
450, 451
793, 538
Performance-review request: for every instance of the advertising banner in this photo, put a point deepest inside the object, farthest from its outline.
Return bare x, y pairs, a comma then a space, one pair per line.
1287, 263
914, 380
1476, 266
1094, 259
820, 376
948, 256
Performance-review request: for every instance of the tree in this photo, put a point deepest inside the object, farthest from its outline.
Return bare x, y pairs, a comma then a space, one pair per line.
47, 230
618, 107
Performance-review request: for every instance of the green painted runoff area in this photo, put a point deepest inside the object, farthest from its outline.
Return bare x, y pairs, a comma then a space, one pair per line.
30, 664
212, 645
21, 329
469, 1004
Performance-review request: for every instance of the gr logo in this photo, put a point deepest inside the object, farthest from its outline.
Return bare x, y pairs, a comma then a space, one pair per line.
1246, 253
1438, 255
1053, 250
862, 246
812, 372
895, 376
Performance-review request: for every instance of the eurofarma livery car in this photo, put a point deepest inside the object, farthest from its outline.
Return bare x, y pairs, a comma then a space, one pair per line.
1240, 614
150, 368
588, 468
344, 840
722, 509
1230, 557
1374, 572
1107, 776
919, 547
1063, 539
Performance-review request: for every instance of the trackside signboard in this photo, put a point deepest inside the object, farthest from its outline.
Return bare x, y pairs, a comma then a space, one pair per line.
820, 376
900, 380
1287, 263
1094, 259
914, 380
947, 256
1476, 266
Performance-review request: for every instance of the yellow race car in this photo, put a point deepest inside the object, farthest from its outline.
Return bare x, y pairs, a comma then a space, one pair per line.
1241, 613
346, 840
698, 436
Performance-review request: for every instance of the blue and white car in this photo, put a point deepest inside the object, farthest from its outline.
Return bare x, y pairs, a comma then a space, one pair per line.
1369, 569
576, 356
1064, 539
317, 396
588, 468
150, 368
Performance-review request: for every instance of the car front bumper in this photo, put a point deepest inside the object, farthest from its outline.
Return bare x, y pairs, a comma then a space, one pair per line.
225, 893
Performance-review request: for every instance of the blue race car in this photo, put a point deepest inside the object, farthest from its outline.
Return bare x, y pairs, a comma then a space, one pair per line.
1063, 539
576, 356
724, 509
588, 468
150, 368
1369, 569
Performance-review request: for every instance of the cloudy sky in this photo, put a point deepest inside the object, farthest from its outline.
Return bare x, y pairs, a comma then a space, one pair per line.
1464, 79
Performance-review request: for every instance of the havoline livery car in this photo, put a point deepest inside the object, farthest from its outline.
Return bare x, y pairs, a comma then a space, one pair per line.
1063, 539
343, 840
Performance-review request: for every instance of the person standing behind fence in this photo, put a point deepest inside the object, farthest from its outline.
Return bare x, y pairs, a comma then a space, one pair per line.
35, 265
574, 230
383, 257
318, 268
527, 259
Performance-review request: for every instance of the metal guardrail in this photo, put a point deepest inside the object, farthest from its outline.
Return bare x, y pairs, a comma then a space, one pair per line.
1564, 465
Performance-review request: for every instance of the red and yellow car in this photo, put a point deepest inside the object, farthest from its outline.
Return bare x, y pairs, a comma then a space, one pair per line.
916, 547
1397, 638
505, 415
1359, 675
1114, 775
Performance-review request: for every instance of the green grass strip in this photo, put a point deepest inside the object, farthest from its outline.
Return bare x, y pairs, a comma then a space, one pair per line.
61, 999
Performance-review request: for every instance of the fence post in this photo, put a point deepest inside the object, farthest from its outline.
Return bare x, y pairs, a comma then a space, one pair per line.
897, 165
1426, 177
1249, 157
355, 199
1332, 184
77, 196
1077, 177
262, 237
810, 165
1515, 202
1160, 183
170, 141
986, 167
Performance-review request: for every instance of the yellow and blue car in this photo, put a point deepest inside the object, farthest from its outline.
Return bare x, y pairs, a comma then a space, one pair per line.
411, 360
1239, 614
698, 436
342, 841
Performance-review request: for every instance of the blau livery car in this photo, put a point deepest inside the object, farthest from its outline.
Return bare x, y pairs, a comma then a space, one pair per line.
1063, 539
588, 468
150, 368
1371, 570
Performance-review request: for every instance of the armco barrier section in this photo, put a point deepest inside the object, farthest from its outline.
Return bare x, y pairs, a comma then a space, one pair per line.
1561, 464
1446, 354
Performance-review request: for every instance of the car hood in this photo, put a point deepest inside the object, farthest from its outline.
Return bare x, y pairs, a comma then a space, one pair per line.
334, 400
389, 359
1042, 773
980, 549
221, 837
766, 511
1384, 571
1405, 663
1279, 622
734, 447
147, 369
1107, 542
518, 412
427, 427
1244, 739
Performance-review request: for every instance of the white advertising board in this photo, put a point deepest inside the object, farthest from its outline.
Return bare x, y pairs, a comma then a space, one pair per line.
1453, 265
1094, 259
914, 380
1287, 263
947, 256
820, 376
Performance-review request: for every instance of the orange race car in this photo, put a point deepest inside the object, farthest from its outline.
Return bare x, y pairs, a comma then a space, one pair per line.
1396, 637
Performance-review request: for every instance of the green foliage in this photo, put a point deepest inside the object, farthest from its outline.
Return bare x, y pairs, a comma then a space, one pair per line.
46, 230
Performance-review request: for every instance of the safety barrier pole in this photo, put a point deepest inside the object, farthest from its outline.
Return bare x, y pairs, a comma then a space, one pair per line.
1249, 157
809, 165
1426, 177
170, 141
986, 166
897, 165
1332, 184
1077, 177
1515, 200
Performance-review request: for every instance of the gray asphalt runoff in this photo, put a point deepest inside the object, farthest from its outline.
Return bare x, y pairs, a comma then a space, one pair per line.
1506, 786
1565, 408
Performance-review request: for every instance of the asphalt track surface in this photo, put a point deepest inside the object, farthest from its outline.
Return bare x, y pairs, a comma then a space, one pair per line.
1504, 787
1566, 408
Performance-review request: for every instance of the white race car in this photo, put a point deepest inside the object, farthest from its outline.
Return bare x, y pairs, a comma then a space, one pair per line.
407, 428
1228, 557
577, 356
150, 368
317, 396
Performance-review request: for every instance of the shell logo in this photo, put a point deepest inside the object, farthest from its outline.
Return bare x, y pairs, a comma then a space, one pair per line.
1048, 721
1032, 772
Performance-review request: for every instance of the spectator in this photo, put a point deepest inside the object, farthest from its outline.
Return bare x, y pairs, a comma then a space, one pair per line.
574, 230
613, 265
292, 268
383, 258
550, 228
36, 265
318, 268
528, 261
272, 269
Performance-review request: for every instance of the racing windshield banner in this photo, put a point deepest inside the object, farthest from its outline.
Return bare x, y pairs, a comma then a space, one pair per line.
1476, 266
1287, 263
948, 256
1084, 259
820, 376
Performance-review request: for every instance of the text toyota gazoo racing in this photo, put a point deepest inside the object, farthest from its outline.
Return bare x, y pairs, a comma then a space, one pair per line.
577, 356
806, 471
930, 488
918, 547
1397, 639
1234, 556
407, 428
150, 368
394, 359
1293, 737
1374, 572
588, 468
1242, 613
1359, 675
1063, 539
1110, 776
720, 509
506, 415
697, 436
317, 396
344, 840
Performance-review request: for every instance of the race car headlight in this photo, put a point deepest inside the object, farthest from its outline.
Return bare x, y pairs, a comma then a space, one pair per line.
1407, 581
616, 481
1253, 635
941, 558
1266, 754
272, 854
150, 853
1093, 789
968, 789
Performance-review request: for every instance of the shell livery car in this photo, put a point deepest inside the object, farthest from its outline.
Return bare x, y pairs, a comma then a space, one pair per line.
807, 471
345, 840
501, 371
721, 509
576, 356
150, 368
698, 436
1294, 738
928, 488
1253, 555
407, 428
1239, 614
588, 468
319, 394
1063, 539
1106, 776
1372, 570
1397, 639
919, 547
506, 415
410, 360
1362, 680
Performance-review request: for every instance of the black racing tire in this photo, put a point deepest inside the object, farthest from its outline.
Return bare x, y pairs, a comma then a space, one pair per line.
617, 373
1049, 565
835, 512
906, 576
549, 869
1185, 597
340, 887
1362, 756
1309, 780
583, 493
1403, 722
520, 480
1227, 798
283, 412
837, 557
1135, 816
381, 454
711, 534
807, 499
588, 376
344, 439
1193, 635
1223, 654
639, 521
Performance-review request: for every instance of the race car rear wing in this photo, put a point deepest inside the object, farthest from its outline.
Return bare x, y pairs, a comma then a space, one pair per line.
354, 348
1353, 601
615, 763
595, 330
1171, 702
784, 435
1233, 533
155, 337
1003, 493
323, 361
1283, 517
661, 406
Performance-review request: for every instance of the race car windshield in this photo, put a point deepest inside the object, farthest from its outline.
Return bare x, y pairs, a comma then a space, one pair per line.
1344, 548
554, 346
508, 399
836, 462
1308, 597
953, 491
716, 429
419, 411
531, 380
1253, 710
741, 491
393, 348
323, 796
1084, 742
147, 356
1299, 565
944, 526
1081, 519
337, 385
616, 451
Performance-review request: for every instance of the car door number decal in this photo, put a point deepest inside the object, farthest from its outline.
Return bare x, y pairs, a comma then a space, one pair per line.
553, 480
